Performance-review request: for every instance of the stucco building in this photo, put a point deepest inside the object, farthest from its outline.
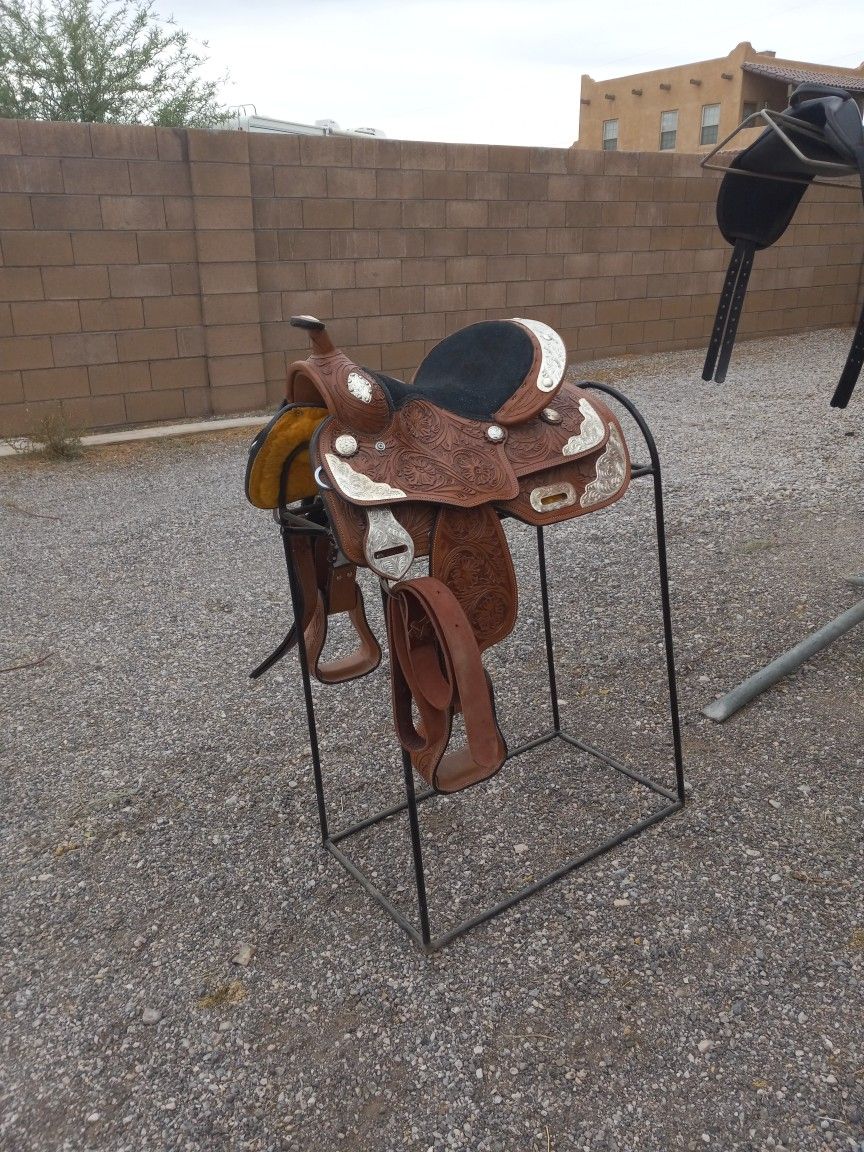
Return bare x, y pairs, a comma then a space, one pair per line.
692, 107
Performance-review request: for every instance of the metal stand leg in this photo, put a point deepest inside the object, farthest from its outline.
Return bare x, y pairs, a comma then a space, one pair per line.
674, 799
726, 706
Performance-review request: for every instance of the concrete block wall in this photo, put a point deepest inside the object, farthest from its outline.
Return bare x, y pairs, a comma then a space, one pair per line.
149, 274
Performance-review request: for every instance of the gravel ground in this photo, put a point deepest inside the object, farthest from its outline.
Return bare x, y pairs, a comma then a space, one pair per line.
184, 968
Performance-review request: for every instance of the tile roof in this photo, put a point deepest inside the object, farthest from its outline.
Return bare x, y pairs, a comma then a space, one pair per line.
847, 80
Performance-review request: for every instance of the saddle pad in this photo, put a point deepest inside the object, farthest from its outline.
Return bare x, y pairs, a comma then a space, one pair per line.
279, 471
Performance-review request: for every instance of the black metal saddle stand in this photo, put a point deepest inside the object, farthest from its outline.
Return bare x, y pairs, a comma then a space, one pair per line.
673, 796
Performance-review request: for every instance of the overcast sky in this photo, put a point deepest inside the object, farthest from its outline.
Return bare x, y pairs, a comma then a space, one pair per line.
483, 71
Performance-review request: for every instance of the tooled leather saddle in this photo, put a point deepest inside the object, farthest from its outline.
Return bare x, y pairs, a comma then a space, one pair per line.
366, 470
820, 132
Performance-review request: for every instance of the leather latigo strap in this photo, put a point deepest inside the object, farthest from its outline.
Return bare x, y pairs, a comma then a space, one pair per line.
437, 668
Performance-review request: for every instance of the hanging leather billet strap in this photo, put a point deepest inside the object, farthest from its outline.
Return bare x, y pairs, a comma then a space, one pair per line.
753, 211
278, 474
437, 668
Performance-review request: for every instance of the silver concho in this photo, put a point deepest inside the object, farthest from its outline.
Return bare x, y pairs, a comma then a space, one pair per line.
388, 547
553, 354
360, 387
611, 472
346, 445
590, 434
550, 416
552, 497
355, 486
495, 433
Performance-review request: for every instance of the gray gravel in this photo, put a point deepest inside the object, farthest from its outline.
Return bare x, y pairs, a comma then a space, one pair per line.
182, 966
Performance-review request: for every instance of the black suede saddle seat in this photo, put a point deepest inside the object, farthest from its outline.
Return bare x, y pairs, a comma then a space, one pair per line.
820, 133
471, 373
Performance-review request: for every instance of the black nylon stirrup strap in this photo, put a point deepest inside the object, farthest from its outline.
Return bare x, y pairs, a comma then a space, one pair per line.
729, 312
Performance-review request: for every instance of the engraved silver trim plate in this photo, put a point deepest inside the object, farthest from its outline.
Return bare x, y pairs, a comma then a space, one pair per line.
544, 499
360, 387
590, 434
610, 474
495, 433
355, 486
550, 416
346, 445
553, 354
388, 547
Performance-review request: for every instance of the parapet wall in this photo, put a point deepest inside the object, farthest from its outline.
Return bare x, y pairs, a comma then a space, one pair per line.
149, 274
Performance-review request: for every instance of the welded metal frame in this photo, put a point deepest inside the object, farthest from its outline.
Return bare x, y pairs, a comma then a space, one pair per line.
332, 841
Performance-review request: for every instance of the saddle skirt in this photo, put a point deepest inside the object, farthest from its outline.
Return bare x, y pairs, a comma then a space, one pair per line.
821, 129
396, 471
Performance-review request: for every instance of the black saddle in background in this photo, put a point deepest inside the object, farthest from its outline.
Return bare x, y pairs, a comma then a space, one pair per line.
753, 212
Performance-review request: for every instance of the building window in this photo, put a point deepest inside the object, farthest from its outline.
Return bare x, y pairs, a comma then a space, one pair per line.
749, 108
710, 123
610, 135
668, 130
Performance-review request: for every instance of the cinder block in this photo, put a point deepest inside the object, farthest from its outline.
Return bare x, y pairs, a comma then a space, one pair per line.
40, 318
55, 383
111, 315
359, 183
20, 284
512, 214
104, 248
261, 179
423, 326
526, 241
459, 214
78, 283
330, 274
431, 271
467, 157
34, 249
11, 392
547, 160
503, 158
133, 212
376, 214
62, 212
140, 280
227, 147
221, 179
237, 277
399, 184
226, 370
16, 210
147, 344
6, 328
26, 352
325, 150
379, 329
282, 277
167, 247
226, 245
400, 301
197, 401
185, 279
10, 141
355, 302
265, 148
88, 412
231, 308
168, 311
159, 178
375, 152
350, 245
119, 379
407, 243
179, 213
30, 174
378, 273
50, 138
171, 144
188, 372
445, 242
445, 297
223, 212
147, 407
233, 398
124, 141
488, 241
84, 348
234, 340
191, 341
507, 267
94, 176
330, 213
487, 296
277, 212
444, 185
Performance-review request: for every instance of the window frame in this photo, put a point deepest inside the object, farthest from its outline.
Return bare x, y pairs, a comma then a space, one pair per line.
667, 132
609, 143
712, 136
